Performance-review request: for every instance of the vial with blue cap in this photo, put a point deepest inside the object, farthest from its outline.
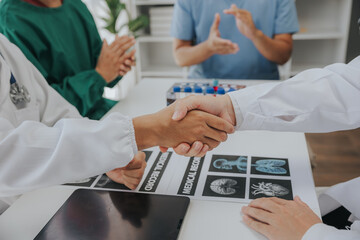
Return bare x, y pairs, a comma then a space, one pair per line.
220, 91
210, 90
188, 90
198, 90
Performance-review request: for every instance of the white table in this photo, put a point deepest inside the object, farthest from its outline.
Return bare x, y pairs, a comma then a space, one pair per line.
205, 219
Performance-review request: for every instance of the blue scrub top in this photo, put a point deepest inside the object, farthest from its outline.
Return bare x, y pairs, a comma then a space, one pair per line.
192, 22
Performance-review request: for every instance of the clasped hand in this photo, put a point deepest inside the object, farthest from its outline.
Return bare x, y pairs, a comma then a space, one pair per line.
218, 114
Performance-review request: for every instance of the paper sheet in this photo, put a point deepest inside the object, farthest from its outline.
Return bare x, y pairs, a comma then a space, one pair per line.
217, 176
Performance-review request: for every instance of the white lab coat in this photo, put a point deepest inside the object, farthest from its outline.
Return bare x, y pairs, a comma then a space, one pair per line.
48, 142
316, 100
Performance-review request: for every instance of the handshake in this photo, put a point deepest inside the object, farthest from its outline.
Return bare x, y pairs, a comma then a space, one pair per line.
192, 126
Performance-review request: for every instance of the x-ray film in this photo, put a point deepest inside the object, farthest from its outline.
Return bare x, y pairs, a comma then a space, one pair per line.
225, 187
228, 163
260, 187
270, 166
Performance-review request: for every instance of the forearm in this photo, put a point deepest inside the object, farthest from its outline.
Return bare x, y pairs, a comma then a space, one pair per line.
73, 149
317, 100
275, 50
192, 55
146, 131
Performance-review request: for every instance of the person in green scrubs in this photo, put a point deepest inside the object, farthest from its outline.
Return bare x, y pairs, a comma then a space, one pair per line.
61, 39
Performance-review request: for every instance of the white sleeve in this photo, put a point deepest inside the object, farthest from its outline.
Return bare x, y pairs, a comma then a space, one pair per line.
321, 231
34, 155
52, 106
316, 100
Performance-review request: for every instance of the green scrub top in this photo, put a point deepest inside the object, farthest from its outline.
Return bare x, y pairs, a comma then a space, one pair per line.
64, 44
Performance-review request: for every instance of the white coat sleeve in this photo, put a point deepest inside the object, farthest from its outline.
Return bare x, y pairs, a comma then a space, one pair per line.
316, 100
34, 155
324, 232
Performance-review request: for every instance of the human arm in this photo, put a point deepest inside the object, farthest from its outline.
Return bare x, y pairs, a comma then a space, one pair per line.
74, 149
280, 219
159, 129
186, 54
276, 48
316, 100
48, 143
131, 174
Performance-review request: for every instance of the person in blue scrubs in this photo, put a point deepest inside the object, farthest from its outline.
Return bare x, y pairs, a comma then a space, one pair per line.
233, 39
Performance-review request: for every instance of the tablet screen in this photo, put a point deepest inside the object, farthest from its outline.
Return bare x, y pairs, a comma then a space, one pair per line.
94, 214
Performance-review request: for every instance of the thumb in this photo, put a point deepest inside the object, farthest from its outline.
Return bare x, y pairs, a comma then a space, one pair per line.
216, 23
183, 106
180, 112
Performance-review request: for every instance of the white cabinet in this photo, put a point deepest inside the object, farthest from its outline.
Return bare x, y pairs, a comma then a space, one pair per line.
322, 40
323, 36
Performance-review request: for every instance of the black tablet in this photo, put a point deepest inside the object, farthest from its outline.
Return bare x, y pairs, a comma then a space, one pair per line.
101, 215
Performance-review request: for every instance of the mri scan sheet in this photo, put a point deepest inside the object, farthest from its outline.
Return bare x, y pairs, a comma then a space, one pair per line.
217, 176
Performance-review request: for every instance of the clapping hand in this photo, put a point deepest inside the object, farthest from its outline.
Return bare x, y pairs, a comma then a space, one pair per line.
218, 45
244, 21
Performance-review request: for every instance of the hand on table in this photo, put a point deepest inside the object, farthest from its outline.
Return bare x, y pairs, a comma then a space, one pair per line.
279, 219
244, 21
131, 174
218, 106
218, 45
114, 60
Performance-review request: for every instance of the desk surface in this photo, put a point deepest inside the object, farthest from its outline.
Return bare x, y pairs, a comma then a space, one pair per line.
205, 219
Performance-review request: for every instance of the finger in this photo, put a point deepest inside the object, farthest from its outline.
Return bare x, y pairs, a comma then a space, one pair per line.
128, 62
136, 173
204, 150
137, 162
279, 201
121, 49
195, 149
184, 105
116, 175
223, 42
127, 55
128, 45
218, 136
257, 226
163, 149
266, 204
119, 41
230, 11
182, 149
116, 45
219, 124
211, 142
258, 214
104, 45
216, 22
130, 182
124, 68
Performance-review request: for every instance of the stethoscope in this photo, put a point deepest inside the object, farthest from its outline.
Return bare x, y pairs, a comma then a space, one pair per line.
19, 95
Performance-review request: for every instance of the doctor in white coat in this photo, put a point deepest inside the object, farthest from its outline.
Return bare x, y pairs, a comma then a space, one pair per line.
44, 141
316, 100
